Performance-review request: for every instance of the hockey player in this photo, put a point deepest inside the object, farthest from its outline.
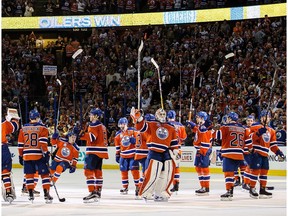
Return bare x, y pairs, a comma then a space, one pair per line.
181, 133
10, 125
263, 139
33, 151
243, 164
66, 156
142, 150
125, 141
96, 150
161, 140
246, 177
203, 145
232, 137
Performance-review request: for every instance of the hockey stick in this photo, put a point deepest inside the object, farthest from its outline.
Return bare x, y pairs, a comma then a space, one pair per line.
74, 56
180, 91
139, 77
272, 88
159, 79
53, 183
59, 101
229, 55
18, 99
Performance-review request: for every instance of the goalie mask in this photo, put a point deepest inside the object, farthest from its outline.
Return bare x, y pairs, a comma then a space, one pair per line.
160, 115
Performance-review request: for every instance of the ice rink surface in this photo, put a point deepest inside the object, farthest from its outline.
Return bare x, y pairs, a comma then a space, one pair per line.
73, 188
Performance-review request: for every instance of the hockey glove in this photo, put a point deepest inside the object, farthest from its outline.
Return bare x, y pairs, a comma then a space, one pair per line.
132, 140
117, 158
136, 115
21, 160
281, 156
190, 124
72, 169
55, 135
261, 131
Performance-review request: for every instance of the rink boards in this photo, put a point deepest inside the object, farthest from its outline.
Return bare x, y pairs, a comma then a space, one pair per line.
187, 161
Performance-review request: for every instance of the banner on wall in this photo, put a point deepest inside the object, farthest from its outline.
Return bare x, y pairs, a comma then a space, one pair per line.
138, 19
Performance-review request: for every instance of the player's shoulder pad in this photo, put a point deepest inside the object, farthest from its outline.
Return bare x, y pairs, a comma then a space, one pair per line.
118, 132
170, 124
76, 146
131, 128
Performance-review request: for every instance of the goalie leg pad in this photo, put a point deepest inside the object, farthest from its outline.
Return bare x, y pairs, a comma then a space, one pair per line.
151, 176
165, 180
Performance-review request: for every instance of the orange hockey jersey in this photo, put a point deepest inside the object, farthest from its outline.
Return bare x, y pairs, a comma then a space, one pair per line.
33, 141
122, 142
141, 147
8, 128
203, 138
160, 136
97, 141
233, 137
262, 144
66, 152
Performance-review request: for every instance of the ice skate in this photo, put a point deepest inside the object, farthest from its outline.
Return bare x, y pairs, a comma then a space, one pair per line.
263, 194
175, 188
160, 199
227, 196
237, 182
253, 193
245, 187
36, 193
137, 197
124, 191
31, 195
92, 197
202, 192
47, 197
9, 197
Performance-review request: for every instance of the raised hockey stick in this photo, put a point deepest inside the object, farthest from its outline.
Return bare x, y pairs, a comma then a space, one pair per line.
139, 74
192, 94
18, 99
229, 55
272, 87
159, 79
77, 53
180, 92
59, 101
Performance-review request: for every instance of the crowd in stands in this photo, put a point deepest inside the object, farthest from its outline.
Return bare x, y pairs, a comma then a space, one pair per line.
105, 74
30, 8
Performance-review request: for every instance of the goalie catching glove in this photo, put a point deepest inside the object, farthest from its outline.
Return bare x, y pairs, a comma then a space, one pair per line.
136, 115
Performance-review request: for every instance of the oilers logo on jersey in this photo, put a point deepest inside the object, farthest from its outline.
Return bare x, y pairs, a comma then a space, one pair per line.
125, 141
65, 151
266, 137
162, 133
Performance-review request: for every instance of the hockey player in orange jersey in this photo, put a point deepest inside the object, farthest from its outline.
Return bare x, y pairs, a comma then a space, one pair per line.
162, 142
33, 150
203, 145
263, 138
181, 133
66, 156
125, 141
232, 138
8, 126
247, 156
142, 149
96, 150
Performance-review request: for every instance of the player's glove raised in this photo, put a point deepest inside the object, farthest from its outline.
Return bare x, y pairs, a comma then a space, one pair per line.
136, 115
190, 124
261, 131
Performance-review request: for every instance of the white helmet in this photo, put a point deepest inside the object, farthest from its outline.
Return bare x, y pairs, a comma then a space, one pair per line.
160, 115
